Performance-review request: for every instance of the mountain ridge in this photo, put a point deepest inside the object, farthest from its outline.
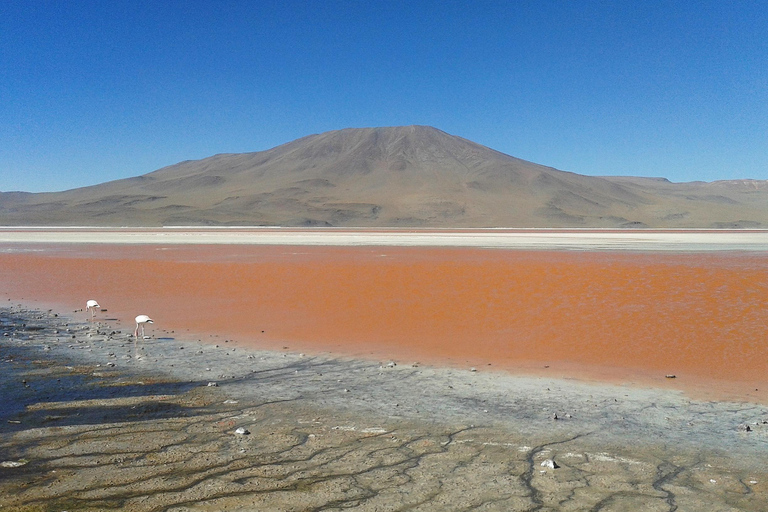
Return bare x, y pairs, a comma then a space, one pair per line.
411, 176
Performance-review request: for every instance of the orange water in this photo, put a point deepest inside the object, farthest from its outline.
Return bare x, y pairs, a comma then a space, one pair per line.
702, 317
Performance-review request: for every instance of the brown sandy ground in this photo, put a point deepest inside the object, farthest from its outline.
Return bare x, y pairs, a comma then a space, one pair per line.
87, 424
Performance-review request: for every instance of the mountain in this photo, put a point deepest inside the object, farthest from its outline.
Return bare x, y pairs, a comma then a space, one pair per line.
397, 177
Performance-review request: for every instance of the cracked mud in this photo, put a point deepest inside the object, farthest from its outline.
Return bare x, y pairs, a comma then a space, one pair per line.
92, 422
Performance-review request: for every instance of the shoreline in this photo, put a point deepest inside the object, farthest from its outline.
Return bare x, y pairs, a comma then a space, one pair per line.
334, 417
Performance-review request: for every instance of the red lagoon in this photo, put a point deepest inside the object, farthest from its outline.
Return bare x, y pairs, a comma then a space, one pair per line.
630, 317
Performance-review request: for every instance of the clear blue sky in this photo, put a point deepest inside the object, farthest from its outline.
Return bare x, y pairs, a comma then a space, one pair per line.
92, 91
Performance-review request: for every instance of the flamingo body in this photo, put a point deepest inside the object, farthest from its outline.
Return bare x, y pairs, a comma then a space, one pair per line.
92, 306
141, 320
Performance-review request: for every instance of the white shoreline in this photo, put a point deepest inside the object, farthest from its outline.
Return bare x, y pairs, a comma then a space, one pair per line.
523, 239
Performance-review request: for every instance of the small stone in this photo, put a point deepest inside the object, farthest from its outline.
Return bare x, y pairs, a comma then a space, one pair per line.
12, 463
242, 431
549, 463
671, 376
473, 369
213, 385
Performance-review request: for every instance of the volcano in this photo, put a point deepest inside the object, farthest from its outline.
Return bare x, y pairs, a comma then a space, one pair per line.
411, 176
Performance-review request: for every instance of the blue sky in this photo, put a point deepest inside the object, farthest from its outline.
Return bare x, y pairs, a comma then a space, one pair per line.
96, 91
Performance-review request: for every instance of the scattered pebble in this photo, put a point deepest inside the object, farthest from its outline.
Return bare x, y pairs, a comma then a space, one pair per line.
213, 385
13, 463
242, 431
549, 463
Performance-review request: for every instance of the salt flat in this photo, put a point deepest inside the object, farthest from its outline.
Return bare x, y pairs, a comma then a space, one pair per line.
603, 240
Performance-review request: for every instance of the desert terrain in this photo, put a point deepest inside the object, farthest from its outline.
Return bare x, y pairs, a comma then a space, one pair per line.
376, 376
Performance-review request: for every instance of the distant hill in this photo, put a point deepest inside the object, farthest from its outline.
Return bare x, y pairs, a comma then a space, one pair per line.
412, 176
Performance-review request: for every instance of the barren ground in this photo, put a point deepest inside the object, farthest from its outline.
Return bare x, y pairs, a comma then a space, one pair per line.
92, 422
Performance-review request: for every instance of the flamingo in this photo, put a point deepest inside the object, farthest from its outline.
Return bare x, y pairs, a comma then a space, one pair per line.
92, 306
140, 321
